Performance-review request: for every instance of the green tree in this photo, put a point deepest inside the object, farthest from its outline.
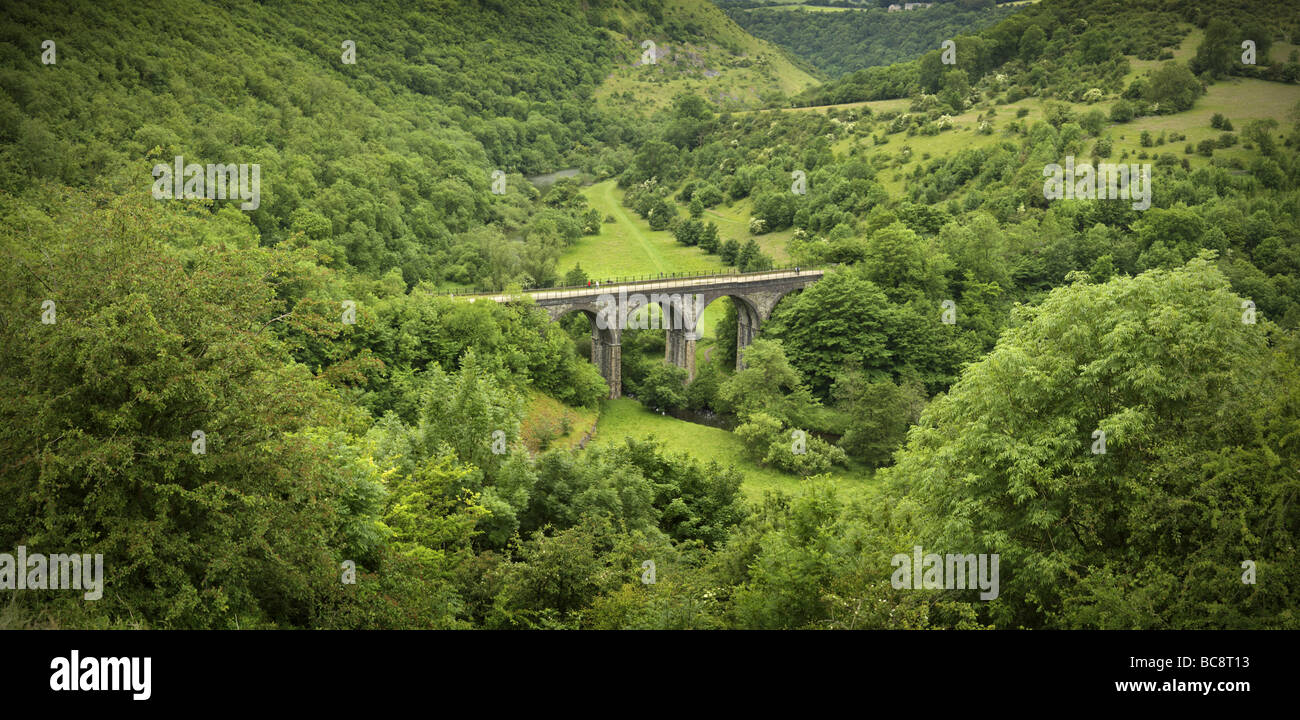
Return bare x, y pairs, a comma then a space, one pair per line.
158, 420
1260, 132
1173, 88
880, 414
664, 387
1032, 43
1151, 529
1215, 53
838, 321
576, 276
767, 384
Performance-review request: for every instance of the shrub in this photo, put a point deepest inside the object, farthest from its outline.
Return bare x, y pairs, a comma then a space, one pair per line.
1121, 111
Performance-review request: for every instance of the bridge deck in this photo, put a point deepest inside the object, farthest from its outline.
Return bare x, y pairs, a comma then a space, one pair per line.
648, 285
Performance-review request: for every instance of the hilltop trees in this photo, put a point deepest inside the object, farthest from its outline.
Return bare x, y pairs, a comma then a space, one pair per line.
1220, 51
406, 188
841, 43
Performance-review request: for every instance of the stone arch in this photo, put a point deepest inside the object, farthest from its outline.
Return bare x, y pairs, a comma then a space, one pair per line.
680, 318
749, 317
606, 349
776, 299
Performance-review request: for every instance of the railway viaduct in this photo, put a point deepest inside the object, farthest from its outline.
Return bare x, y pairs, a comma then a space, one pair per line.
612, 307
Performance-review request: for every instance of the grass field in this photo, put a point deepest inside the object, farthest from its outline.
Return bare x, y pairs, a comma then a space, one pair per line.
628, 246
735, 70
627, 418
545, 419
1239, 99
733, 222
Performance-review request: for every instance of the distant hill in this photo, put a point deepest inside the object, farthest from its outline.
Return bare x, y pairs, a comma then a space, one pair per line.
839, 40
382, 160
700, 49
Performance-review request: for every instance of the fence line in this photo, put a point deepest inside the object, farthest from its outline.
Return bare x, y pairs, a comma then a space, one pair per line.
659, 281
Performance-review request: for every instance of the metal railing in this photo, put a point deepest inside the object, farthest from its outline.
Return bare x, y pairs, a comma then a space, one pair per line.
656, 281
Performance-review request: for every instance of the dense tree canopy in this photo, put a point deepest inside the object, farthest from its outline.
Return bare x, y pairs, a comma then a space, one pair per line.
291, 415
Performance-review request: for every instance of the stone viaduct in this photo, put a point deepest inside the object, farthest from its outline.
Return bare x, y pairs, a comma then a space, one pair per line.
612, 307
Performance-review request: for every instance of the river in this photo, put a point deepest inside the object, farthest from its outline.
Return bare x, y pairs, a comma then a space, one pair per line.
550, 178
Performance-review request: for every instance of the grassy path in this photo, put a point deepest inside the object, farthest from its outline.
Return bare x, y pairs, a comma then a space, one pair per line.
628, 246
654, 257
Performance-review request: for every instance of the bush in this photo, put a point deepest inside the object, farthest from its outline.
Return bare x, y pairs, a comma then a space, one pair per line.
1103, 148
729, 250
1121, 112
787, 449
1093, 121
817, 455
664, 388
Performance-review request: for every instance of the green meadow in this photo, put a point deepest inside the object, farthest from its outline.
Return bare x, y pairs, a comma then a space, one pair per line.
627, 246
624, 417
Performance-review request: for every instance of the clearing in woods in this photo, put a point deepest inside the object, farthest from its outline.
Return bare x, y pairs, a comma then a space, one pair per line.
625, 417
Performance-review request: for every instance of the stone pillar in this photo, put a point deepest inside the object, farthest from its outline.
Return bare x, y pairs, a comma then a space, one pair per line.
683, 333
608, 359
672, 345
688, 355
679, 349
745, 332
614, 369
